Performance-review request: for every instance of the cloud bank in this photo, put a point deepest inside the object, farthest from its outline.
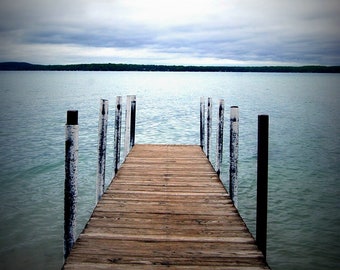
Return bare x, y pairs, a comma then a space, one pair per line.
186, 32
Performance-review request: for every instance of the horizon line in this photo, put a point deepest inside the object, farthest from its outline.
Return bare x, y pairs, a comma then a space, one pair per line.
25, 66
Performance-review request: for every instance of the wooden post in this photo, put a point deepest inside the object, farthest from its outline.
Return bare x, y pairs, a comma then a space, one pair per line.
71, 176
202, 122
262, 183
127, 126
234, 139
132, 122
209, 125
117, 135
102, 139
219, 137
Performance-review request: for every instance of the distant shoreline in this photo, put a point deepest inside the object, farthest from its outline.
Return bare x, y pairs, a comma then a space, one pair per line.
22, 66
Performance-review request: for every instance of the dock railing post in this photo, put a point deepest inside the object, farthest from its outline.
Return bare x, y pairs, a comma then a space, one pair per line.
234, 142
262, 183
209, 125
117, 135
132, 122
202, 122
102, 139
219, 137
71, 178
127, 126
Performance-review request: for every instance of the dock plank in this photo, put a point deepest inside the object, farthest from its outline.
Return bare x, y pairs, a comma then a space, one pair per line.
166, 208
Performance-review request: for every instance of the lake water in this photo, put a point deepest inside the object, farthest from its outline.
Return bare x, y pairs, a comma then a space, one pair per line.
304, 154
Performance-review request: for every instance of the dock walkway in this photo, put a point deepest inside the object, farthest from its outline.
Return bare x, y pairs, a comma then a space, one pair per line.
165, 208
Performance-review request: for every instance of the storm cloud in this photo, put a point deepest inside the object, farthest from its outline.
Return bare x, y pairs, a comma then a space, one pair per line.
238, 32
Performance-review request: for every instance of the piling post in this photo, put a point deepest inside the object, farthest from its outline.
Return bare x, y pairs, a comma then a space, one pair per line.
219, 137
209, 125
71, 178
127, 126
117, 134
102, 139
234, 142
202, 122
262, 183
132, 122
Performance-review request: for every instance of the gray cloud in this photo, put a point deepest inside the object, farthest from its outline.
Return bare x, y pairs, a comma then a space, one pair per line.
263, 31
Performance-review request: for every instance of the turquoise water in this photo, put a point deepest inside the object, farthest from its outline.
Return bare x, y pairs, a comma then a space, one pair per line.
304, 186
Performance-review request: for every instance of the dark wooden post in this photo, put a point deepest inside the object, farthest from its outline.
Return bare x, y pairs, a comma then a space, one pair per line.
102, 139
262, 183
117, 134
234, 142
71, 176
219, 136
202, 122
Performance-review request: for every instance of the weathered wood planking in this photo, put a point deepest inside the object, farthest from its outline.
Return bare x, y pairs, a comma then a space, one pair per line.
165, 208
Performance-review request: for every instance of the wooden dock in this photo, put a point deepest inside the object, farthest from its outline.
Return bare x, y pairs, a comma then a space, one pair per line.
166, 208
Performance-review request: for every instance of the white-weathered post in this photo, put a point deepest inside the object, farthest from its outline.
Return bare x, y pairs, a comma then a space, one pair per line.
209, 125
234, 142
127, 126
132, 122
71, 178
202, 122
102, 139
117, 135
219, 137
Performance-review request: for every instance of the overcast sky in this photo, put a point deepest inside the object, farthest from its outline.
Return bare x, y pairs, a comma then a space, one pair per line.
180, 32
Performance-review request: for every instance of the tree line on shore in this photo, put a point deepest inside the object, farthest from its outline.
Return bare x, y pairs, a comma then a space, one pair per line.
173, 68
